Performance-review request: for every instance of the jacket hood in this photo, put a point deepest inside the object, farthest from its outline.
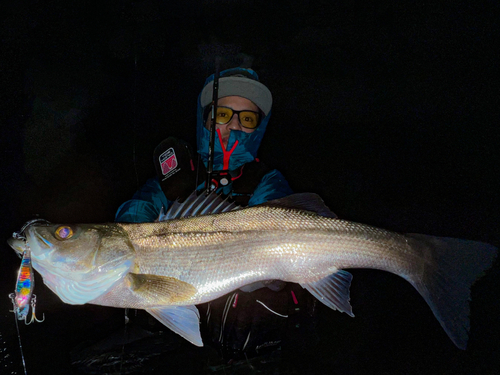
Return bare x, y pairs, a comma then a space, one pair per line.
248, 143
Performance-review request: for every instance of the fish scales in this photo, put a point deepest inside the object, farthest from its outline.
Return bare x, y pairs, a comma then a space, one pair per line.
271, 243
168, 267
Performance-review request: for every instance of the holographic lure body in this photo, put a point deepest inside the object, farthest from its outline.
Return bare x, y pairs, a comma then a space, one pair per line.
23, 296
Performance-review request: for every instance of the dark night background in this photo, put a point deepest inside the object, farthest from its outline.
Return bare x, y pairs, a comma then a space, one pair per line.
388, 110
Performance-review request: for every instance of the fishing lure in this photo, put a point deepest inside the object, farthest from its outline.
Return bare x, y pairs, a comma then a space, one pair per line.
23, 297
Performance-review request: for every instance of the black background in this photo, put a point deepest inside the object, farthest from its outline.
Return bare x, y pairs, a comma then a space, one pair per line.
388, 110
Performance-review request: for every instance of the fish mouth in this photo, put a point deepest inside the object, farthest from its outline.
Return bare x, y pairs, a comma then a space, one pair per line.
17, 244
40, 247
19, 241
33, 241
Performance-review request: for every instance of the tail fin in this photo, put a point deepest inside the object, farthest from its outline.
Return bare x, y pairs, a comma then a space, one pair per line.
452, 267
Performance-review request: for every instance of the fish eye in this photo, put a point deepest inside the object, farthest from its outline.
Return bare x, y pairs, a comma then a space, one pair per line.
64, 232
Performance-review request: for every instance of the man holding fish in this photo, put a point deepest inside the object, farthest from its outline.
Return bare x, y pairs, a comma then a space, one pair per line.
209, 249
258, 312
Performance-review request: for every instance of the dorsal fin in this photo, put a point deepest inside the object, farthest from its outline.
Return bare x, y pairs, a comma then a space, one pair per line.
303, 201
197, 205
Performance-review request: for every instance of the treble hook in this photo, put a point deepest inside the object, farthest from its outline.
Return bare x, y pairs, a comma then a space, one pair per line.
33, 316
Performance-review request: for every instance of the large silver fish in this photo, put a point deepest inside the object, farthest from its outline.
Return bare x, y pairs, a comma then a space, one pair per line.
168, 267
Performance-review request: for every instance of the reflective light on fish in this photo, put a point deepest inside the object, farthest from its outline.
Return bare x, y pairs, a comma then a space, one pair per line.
166, 268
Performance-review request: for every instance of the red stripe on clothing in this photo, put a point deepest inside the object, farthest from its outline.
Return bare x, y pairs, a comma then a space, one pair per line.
227, 154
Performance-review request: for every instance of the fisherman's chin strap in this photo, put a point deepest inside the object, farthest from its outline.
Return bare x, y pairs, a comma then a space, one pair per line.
225, 176
227, 154
245, 178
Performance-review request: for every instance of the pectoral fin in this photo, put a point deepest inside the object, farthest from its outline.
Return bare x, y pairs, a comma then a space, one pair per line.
161, 290
333, 291
183, 320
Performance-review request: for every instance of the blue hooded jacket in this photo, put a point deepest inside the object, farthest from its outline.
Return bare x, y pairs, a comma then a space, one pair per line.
147, 202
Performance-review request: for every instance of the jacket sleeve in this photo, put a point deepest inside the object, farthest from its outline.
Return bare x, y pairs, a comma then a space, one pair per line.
145, 205
272, 186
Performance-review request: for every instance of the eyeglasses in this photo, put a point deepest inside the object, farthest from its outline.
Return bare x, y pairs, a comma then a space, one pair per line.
248, 119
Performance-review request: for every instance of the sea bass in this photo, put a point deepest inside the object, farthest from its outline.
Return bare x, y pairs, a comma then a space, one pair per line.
169, 267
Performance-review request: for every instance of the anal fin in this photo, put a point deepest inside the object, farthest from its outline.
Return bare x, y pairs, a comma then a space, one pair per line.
333, 291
